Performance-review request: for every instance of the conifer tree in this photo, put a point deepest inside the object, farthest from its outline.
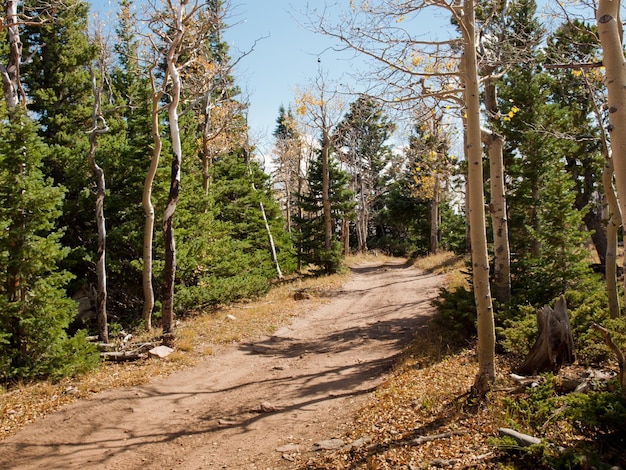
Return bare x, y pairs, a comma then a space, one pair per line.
59, 86
288, 161
35, 309
534, 163
361, 143
311, 225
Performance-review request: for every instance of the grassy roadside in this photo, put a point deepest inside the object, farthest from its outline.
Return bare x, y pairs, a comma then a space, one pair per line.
199, 334
423, 417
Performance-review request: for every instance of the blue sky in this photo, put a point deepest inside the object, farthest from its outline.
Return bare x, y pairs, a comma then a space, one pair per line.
285, 58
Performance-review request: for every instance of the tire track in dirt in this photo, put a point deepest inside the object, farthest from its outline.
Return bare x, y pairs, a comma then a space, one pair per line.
316, 372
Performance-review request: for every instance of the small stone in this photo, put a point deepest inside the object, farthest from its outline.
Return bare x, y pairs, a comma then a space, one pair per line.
231, 317
329, 444
161, 351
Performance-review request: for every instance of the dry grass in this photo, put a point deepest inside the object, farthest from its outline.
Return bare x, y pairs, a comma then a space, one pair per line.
447, 263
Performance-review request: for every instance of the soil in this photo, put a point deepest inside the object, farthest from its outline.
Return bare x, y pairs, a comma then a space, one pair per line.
261, 404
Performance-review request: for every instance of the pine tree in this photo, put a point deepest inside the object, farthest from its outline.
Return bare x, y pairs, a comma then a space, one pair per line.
575, 42
59, 86
35, 309
361, 139
311, 224
535, 159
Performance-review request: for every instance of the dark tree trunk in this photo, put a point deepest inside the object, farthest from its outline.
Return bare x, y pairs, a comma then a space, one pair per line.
554, 345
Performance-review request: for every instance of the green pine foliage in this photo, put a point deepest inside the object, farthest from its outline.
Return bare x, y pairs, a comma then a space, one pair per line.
35, 309
310, 227
403, 222
224, 252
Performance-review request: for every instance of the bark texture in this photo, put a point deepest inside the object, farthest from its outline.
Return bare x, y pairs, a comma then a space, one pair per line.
554, 345
169, 270
610, 32
480, 261
148, 208
99, 127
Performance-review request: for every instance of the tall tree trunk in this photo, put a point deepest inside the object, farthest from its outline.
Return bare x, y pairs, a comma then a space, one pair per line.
169, 270
148, 207
328, 242
13, 98
434, 216
610, 31
206, 148
495, 144
614, 220
96, 129
345, 236
612, 231
269, 232
480, 260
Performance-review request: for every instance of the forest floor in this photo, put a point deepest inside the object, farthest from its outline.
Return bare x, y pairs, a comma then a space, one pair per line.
274, 401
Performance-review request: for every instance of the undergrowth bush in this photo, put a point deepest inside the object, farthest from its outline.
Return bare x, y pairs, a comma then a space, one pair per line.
597, 415
457, 313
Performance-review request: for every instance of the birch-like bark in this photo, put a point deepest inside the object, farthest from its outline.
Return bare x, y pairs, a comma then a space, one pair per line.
480, 260
10, 72
148, 208
169, 271
610, 31
98, 126
434, 216
326, 195
502, 251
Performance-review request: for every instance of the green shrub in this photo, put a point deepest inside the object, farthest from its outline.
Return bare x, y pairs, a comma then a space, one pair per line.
596, 412
457, 313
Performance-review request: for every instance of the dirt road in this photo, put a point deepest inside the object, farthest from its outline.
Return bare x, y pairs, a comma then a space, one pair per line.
235, 409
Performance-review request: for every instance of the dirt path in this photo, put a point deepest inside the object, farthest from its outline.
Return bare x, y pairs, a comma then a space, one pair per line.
315, 372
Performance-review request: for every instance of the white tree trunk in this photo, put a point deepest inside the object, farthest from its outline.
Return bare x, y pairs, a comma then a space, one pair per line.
434, 216
169, 271
148, 207
326, 194
480, 260
495, 145
610, 31
10, 72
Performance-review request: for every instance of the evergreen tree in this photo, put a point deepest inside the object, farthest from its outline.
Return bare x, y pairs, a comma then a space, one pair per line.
311, 223
223, 244
535, 161
575, 42
361, 140
59, 86
35, 309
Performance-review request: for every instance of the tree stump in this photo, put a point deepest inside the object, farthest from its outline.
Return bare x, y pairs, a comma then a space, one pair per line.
554, 345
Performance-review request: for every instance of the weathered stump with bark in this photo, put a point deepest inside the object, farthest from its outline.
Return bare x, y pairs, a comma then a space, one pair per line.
554, 345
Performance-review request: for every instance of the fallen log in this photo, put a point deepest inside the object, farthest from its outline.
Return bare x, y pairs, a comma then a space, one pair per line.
523, 440
122, 356
433, 437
